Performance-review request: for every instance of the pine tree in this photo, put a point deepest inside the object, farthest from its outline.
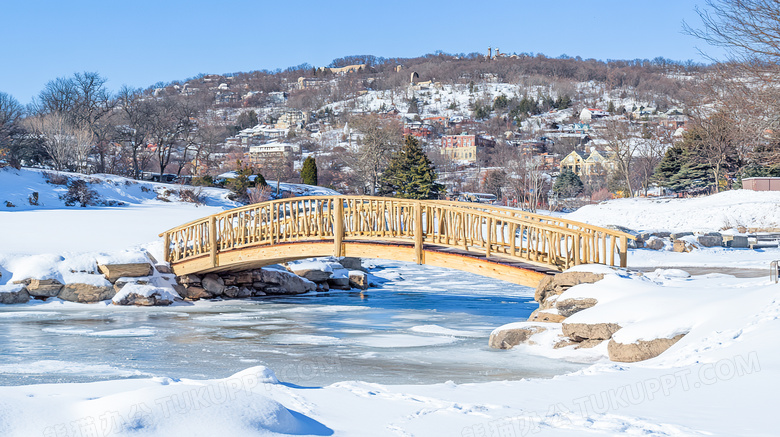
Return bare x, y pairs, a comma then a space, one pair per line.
309, 171
568, 184
410, 174
611, 107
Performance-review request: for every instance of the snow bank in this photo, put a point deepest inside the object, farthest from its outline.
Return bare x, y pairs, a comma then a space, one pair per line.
237, 405
726, 210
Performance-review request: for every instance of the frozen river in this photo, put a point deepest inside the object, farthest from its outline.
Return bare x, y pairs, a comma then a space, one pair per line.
424, 325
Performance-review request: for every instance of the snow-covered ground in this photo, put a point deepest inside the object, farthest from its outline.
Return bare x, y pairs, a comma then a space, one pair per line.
718, 380
728, 210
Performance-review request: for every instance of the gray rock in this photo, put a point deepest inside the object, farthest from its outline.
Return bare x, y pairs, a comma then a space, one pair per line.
678, 235
339, 283
739, 242
358, 279
213, 284
508, 338
586, 331
19, 295
313, 275
710, 240
568, 307
292, 284
44, 287
641, 350
192, 292
189, 279
661, 234
86, 293
113, 272
155, 299
121, 282
351, 263
655, 243
163, 268
234, 292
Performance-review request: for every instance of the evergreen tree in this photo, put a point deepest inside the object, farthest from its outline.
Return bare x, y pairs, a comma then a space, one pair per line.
260, 181
669, 166
611, 107
568, 184
309, 171
410, 174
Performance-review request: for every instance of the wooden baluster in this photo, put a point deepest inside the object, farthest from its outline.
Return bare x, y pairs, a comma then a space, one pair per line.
487, 242
418, 232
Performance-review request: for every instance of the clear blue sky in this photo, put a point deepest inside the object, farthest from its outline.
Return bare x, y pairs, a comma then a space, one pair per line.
141, 42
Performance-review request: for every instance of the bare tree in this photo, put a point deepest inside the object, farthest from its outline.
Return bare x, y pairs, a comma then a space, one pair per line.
379, 139
135, 129
68, 147
622, 142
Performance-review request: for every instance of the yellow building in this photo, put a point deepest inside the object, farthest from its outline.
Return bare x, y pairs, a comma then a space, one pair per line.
598, 163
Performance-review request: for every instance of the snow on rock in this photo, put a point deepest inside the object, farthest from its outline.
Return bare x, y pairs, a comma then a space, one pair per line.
726, 210
146, 295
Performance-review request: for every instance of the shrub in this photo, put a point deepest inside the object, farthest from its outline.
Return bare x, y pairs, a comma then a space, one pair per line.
259, 194
79, 192
33, 199
56, 178
192, 196
203, 181
9, 204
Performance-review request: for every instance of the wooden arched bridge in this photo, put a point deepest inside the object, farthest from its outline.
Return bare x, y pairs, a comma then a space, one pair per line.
502, 243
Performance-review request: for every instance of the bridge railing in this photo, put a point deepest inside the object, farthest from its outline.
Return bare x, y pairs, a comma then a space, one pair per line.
480, 229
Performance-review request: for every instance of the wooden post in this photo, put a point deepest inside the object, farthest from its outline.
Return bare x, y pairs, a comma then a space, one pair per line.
623, 252
418, 233
577, 238
213, 239
167, 247
338, 227
489, 232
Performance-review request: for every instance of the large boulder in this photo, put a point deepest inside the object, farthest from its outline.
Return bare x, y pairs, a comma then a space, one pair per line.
358, 279
712, 239
508, 338
189, 279
213, 284
655, 243
351, 263
44, 287
113, 272
683, 246
553, 286
143, 295
340, 283
540, 315
641, 350
192, 292
86, 293
313, 275
589, 331
678, 235
284, 280
13, 294
567, 307
234, 292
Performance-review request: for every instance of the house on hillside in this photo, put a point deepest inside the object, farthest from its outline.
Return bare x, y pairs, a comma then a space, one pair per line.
258, 155
589, 114
468, 148
597, 163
